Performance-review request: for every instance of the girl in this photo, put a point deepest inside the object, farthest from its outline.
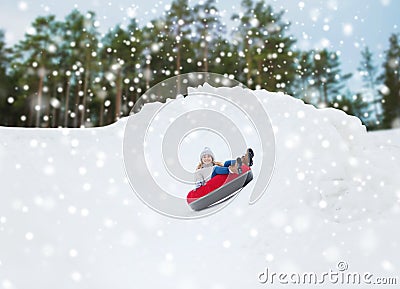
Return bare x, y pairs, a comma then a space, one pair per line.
205, 168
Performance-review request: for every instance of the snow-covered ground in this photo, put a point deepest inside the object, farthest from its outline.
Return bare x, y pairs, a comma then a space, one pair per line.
69, 218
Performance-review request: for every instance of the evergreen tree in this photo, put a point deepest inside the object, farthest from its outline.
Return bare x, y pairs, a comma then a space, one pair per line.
391, 79
155, 61
117, 46
81, 42
7, 97
368, 72
327, 77
176, 36
263, 45
209, 34
136, 68
303, 84
121, 56
61, 75
225, 59
35, 56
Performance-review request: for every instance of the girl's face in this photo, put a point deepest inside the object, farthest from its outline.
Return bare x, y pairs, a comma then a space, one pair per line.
206, 159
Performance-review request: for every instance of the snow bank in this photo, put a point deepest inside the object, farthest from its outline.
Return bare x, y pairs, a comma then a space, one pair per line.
339, 169
68, 218
326, 157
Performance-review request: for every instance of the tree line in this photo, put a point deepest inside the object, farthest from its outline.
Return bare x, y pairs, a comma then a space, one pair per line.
66, 74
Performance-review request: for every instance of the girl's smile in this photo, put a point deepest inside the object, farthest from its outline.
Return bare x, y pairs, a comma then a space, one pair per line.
206, 159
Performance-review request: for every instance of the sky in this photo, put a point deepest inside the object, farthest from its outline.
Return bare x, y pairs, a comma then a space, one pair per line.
338, 25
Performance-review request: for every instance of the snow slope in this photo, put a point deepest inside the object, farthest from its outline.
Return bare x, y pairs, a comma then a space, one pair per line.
69, 219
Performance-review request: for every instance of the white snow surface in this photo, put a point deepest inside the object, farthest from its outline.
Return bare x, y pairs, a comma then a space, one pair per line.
69, 218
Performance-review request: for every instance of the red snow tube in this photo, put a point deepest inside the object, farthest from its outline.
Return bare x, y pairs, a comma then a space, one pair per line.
217, 188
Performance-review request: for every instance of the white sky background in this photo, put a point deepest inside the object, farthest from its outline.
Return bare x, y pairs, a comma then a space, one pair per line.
339, 25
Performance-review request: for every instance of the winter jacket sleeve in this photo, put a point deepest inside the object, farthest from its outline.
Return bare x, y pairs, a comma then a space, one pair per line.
198, 176
202, 175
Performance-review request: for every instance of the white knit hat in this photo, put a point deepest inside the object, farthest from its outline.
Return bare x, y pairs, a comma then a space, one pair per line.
207, 151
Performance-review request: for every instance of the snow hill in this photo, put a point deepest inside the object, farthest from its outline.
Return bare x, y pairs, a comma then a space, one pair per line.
69, 218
